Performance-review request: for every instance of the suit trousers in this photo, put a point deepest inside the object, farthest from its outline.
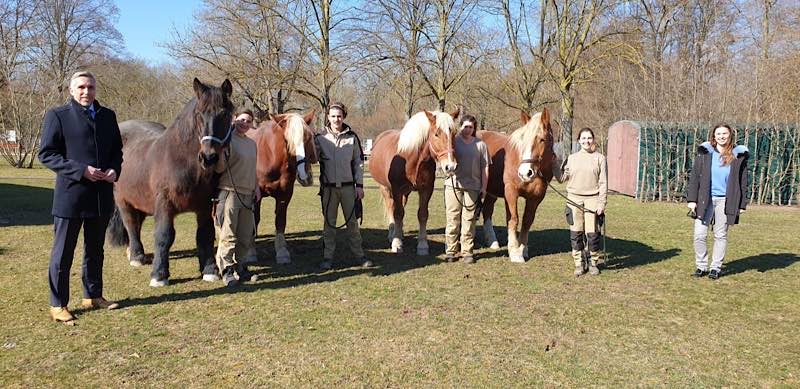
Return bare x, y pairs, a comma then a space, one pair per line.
66, 231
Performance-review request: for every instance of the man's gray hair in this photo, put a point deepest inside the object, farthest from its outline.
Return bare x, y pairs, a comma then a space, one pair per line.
80, 74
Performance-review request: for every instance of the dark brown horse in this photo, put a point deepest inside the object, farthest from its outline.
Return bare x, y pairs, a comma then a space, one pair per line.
170, 172
522, 166
405, 160
285, 153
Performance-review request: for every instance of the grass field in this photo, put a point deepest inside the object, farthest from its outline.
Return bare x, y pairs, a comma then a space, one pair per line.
414, 321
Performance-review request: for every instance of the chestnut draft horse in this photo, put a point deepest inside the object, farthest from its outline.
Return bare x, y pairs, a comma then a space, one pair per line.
170, 172
522, 166
285, 153
404, 161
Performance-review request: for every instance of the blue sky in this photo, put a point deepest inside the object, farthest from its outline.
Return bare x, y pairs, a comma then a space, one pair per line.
146, 23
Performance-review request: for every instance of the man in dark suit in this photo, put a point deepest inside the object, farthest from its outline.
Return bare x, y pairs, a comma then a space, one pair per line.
82, 144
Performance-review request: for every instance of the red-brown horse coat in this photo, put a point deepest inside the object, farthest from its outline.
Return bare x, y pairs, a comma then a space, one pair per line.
399, 170
511, 179
276, 169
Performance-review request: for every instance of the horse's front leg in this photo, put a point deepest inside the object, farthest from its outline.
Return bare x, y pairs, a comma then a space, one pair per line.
488, 226
252, 253
164, 235
512, 219
282, 255
527, 221
422, 216
204, 239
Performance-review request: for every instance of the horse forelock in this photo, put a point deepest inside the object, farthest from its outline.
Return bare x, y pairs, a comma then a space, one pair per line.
416, 130
294, 132
522, 138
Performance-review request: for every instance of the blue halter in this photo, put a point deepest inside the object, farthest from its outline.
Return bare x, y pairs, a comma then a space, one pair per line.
224, 141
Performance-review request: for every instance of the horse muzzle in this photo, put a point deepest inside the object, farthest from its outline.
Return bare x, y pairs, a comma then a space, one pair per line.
449, 168
526, 175
207, 160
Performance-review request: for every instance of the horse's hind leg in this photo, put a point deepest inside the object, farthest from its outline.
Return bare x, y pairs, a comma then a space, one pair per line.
488, 226
282, 255
252, 254
204, 239
132, 219
388, 210
422, 216
164, 235
398, 211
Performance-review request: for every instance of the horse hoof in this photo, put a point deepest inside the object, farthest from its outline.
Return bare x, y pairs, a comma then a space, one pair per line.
156, 283
423, 251
136, 263
397, 250
517, 259
206, 278
250, 260
283, 260
494, 245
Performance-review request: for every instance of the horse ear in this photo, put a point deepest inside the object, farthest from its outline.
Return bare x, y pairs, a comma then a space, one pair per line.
199, 87
227, 87
310, 116
275, 118
524, 117
431, 117
456, 113
545, 119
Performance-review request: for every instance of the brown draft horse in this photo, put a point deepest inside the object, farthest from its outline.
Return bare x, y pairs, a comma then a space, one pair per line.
285, 153
522, 166
404, 161
170, 172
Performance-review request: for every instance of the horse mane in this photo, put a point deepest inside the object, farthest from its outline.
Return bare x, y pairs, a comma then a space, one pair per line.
294, 131
415, 133
522, 138
186, 123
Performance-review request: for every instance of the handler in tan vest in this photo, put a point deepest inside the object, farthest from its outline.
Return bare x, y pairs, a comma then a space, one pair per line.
341, 183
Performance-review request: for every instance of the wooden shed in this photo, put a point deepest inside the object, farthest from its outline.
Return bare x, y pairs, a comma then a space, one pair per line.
623, 157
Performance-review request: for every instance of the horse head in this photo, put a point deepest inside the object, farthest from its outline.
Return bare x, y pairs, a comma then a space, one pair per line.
441, 139
213, 114
299, 143
534, 143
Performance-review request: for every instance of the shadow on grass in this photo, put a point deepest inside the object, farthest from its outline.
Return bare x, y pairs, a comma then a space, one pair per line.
761, 263
622, 253
25, 205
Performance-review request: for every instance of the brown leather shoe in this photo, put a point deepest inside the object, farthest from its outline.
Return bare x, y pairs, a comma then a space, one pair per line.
61, 314
99, 302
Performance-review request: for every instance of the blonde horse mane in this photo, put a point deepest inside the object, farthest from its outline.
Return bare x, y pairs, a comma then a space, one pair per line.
294, 131
522, 138
415, 133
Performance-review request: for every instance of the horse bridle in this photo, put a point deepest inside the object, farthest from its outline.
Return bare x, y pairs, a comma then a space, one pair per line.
213, 139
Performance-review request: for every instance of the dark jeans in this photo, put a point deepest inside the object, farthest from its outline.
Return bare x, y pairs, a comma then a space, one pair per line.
66, 238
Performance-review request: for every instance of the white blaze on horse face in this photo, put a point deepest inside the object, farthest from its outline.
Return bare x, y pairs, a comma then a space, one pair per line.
525, 169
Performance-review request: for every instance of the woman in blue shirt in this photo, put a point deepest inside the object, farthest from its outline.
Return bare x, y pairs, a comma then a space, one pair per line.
716, 195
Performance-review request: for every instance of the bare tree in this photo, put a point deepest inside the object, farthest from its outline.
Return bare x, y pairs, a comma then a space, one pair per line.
580, 30
249, 42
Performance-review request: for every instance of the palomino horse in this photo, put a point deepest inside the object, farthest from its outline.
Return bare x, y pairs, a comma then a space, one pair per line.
404, 161
170, 172
522, 166
285, 153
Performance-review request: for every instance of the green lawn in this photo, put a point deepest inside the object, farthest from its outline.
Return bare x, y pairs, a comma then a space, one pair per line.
414, 321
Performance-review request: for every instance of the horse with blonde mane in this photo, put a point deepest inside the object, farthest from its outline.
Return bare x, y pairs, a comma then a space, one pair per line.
522, 166
405, 160
285, 153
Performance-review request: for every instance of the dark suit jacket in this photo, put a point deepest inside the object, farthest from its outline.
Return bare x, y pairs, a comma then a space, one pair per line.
71, 141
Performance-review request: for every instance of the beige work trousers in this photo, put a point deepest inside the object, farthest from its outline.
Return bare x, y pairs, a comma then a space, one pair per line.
237, 231
460, 226
332, 198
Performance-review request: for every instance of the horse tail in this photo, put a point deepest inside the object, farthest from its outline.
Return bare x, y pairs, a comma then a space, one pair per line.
116, 234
